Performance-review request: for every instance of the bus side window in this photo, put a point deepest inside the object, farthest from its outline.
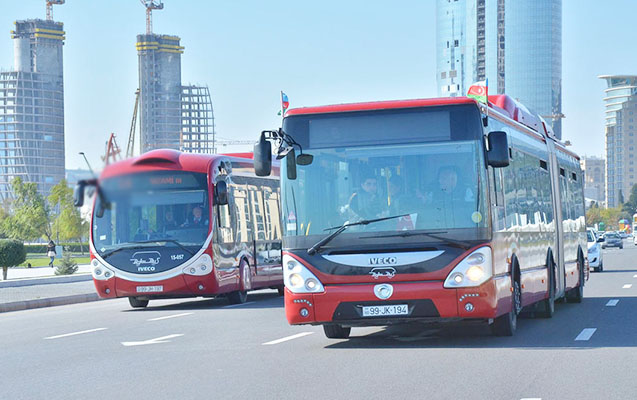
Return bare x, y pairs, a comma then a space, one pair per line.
225, 232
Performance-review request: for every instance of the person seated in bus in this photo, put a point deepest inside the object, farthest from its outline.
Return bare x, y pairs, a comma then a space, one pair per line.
169, 221
196, 220
365, 202
449, 204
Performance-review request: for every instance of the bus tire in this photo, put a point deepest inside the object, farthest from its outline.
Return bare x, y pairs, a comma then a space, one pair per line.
547, 306
241, 296
137, 303
336, 331
281, 290
505, 325
576, 294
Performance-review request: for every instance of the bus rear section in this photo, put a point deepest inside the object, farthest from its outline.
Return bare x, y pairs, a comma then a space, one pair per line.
427, 210
163, 226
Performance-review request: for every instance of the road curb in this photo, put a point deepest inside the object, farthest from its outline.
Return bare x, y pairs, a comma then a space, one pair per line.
46, 281
50, 302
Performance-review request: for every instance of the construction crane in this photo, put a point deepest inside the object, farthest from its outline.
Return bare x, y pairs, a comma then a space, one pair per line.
130, 149
150, 6
113, 151
49, 8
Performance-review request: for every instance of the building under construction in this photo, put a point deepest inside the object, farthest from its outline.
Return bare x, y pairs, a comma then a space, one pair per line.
171, 116
32, 107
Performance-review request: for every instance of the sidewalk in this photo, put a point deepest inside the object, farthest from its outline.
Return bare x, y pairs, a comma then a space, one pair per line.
39, 287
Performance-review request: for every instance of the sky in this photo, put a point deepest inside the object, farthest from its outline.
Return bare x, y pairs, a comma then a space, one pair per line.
323, 52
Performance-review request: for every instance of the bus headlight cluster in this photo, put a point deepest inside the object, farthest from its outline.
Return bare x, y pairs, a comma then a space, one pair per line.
101, 272
201, 266
474, 270
299, 279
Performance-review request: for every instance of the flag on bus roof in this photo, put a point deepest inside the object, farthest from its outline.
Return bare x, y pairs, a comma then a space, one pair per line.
479, 91
285, 103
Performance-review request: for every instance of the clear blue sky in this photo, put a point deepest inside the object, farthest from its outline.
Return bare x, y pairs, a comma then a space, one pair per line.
317, 52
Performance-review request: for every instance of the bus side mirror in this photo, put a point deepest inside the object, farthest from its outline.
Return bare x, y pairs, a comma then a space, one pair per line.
221, 193
290, 163
78, 194
498, 154
263, 157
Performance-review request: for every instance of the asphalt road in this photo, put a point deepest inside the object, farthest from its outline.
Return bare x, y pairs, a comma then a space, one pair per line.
207, 349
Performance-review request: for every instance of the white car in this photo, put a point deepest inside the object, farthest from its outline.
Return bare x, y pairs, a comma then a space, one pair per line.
595, 258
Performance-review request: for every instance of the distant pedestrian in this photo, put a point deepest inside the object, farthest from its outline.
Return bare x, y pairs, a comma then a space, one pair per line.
50, 252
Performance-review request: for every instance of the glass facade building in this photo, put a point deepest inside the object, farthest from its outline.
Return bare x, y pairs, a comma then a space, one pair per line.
620, 100
516, 45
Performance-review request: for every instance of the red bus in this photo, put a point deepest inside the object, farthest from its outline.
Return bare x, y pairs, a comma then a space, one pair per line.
426, 210
168, 224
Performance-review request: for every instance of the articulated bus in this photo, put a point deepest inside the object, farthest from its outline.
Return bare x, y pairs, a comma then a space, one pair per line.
168, 224
426, 210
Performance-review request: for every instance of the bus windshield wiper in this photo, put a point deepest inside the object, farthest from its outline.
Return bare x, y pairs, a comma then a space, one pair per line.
134, 246
173, 241
454, 243
339, 229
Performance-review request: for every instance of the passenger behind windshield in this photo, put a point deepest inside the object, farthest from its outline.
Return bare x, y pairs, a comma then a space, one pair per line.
365, 202
449, 203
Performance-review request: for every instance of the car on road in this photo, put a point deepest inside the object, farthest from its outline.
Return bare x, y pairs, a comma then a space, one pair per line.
622, 234
595, 260
612, 239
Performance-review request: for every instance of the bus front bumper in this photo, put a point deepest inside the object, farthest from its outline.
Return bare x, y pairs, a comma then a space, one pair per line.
425, 301
178, 286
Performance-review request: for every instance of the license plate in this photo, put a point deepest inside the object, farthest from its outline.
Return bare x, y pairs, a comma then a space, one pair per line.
147, 289
380, 311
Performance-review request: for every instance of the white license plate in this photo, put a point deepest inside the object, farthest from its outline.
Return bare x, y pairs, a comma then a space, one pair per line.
380, 311
147, 289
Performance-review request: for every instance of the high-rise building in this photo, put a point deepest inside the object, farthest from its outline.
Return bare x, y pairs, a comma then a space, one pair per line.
620, 99
516, 45
172, 116
32, 108
595, 179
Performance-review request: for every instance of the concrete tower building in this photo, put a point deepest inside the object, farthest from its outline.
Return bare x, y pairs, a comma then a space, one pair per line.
595, 179
516, 45
620, 98
32, 108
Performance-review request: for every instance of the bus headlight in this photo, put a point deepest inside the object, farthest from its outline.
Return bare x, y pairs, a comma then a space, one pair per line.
101, 272
299, 279
202, 266
474, 270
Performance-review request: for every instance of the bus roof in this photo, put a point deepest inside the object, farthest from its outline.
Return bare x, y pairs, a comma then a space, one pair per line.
167, 159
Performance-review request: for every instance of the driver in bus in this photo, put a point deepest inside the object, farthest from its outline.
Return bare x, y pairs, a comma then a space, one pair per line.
197, 219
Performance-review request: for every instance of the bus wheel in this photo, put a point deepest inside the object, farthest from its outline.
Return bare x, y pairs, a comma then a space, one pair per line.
280, 290
576, 294
241, 296
137, 303
547, 306
506, 324
335, 331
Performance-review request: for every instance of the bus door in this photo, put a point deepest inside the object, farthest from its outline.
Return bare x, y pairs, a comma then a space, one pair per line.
558, 249
224, 248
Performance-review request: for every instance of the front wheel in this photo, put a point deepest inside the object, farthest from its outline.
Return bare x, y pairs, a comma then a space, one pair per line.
241, 296
335, 331
505, 325
137, 303
547, 306
576, 294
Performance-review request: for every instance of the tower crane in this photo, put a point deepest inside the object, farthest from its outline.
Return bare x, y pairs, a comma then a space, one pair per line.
113, 151
49, 8
150, 6
131, 135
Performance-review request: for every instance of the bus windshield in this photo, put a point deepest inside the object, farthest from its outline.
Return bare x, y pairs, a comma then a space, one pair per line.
146, 208
437, 180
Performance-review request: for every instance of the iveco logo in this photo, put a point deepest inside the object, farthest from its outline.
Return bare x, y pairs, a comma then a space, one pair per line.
145, 269
384, 272
382, 260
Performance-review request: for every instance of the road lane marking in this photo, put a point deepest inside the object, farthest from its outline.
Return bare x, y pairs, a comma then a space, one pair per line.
586, 334
239, 305
532, 398
612, 303
163, 339
75, 333
170, 316
285, 339
635, 276
627, 286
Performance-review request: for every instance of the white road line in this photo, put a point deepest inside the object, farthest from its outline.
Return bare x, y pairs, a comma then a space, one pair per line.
586, 334
532, 398
239, 305
170, 316
163, 339
635, 276
612, 303
627, 286
75, 333
285, 339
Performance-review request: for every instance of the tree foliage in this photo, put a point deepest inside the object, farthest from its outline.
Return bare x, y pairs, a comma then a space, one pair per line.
68, 224
67, 265
609, 216
12, 253
630, 206
30, 217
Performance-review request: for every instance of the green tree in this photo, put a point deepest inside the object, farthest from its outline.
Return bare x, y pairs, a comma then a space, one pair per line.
12, 253
30, 219
593, 216
68, 224
620, 197
67, 265
631, 205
